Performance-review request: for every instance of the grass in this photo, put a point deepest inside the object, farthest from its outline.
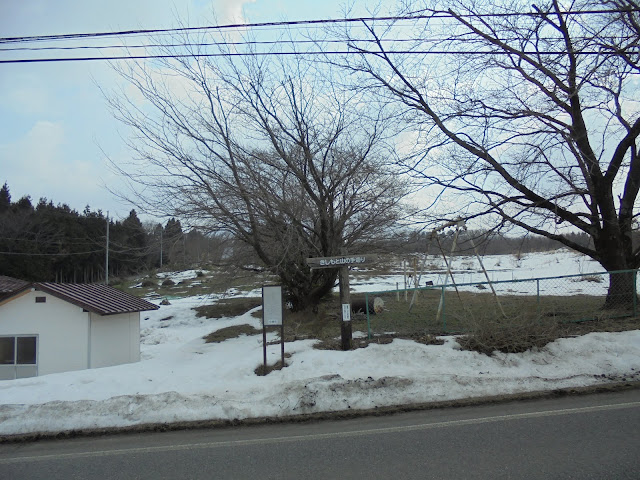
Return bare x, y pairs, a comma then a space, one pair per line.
231, 332
230, 307
467, 312
458, 311
216, 281
527, 321
261, 371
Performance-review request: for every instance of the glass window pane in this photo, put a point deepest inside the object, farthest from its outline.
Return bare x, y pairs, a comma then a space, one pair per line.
7, 345
26, 350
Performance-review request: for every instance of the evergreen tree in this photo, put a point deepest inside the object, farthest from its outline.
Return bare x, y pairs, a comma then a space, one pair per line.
5, 198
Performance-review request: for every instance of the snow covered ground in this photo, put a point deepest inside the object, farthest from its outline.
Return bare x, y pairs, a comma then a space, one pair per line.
180, 378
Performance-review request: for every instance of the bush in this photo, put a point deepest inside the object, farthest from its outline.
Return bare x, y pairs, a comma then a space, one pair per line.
168, 283
149, 283
515, 335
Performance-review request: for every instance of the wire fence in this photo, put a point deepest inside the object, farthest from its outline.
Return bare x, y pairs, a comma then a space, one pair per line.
456, 307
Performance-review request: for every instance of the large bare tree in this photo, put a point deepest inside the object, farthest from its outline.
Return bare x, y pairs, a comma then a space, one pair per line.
264, 147
525, 114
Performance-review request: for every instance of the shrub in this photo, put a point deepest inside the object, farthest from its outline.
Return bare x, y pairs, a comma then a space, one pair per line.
168, 283
148, 283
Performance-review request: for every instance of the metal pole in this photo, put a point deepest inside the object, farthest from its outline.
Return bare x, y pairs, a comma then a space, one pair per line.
366, 306
282, 344
106, 260
473, 244
404, 270
417, 282
635, 292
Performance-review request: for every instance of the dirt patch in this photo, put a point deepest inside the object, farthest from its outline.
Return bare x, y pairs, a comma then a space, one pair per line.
231, 307
261, 371
230, 332
336, 343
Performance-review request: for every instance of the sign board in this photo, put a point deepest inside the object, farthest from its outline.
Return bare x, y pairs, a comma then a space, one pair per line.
272, 305
342, 261
346, 312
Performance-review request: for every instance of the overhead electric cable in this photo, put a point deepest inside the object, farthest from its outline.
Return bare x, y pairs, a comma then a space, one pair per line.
243, 43
301, 23
317, 52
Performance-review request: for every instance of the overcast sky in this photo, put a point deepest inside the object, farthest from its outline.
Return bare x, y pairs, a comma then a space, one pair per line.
55, 127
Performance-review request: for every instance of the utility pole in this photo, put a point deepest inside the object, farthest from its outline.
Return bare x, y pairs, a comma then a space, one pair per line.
106, 268
161, 229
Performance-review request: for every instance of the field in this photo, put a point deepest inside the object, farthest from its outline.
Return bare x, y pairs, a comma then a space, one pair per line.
527, 298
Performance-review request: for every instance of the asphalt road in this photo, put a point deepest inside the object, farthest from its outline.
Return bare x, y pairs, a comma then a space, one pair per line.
581, 437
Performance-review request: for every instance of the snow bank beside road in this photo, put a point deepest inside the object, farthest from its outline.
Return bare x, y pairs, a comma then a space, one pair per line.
200, 381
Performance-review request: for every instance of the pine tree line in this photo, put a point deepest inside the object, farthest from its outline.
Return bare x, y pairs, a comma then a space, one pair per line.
47, 242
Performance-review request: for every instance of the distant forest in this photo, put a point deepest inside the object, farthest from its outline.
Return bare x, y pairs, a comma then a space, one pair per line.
47, 242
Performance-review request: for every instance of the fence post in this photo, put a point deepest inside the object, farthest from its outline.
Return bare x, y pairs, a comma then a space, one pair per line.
635, 293
538, 296
444, 312
366, 307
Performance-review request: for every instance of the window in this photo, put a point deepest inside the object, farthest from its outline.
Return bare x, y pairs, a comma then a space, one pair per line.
7, 350
41, 299
20, 350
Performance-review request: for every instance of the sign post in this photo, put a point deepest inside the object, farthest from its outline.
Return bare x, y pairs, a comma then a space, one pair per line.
272, 316
345, 300
343, 263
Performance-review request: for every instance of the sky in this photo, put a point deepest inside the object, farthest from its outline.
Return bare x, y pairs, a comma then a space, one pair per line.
182, 378
56, 130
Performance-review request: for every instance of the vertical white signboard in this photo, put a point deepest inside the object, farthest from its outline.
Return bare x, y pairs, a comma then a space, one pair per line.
346, 312
272, 305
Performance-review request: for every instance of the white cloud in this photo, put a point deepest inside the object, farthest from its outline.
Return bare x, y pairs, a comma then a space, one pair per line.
231, 11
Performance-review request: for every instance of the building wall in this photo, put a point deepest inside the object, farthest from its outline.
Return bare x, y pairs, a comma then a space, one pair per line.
115, 339
62, 330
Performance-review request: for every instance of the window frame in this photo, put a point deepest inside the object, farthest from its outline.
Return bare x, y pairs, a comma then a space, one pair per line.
15, 351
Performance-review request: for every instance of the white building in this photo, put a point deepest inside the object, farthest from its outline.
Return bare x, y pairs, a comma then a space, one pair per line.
58, 327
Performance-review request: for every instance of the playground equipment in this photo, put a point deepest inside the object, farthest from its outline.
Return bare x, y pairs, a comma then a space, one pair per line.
458, 225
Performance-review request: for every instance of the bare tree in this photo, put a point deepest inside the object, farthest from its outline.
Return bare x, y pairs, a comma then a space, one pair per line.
527, 117
269, 150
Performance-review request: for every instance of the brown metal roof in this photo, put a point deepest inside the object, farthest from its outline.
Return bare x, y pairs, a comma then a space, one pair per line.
96, 298
10, 284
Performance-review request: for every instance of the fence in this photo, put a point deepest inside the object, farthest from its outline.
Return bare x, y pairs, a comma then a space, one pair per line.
455, 308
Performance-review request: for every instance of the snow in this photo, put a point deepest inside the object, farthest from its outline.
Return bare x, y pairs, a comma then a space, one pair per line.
181, 378
500, 268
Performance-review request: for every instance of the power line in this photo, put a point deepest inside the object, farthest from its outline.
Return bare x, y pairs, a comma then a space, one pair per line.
290, 53
245, 43
314, 22
52, 254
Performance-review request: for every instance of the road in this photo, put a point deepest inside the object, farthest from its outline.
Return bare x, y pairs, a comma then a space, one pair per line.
581, 437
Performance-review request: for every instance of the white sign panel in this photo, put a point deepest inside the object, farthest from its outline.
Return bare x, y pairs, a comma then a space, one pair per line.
272, 305
346, 312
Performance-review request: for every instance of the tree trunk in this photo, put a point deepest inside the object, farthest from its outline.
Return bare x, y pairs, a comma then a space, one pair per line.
615, 257
302, 290
622, 292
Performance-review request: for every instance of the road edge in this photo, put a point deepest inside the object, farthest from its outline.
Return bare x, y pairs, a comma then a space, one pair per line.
320, 416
